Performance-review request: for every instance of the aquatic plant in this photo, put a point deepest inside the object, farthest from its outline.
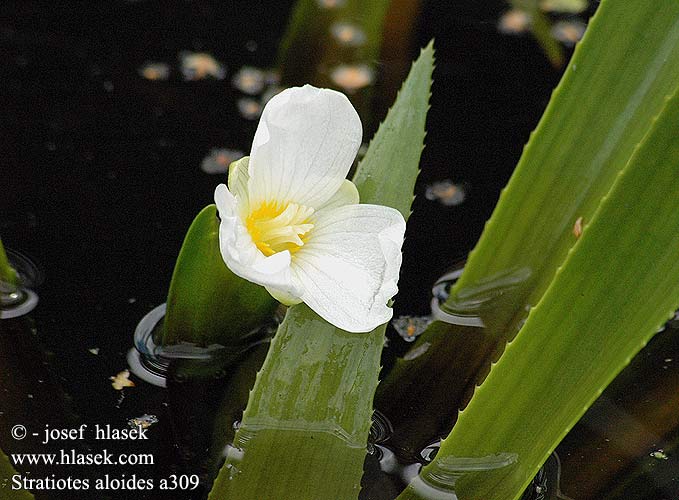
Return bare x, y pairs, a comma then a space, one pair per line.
574, 273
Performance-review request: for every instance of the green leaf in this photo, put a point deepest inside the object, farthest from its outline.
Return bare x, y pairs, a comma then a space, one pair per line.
615, 85
6, 490
207, 303
617, 287
304, 432
7, 273
305, 428
390, 166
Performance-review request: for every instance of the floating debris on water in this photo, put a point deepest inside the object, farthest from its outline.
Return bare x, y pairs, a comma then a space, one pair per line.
199, 66
514, 22
564, 6
94, 351
577, 227
249, 108
251, 46
352, 77
145, 421
409, 327
446, 192
348, 34
331, 4
218, 160
659, 454
569, 32
121, 380
155, 71
249, 80
108, 86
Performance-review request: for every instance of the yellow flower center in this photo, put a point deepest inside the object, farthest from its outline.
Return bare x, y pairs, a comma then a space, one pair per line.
277, 227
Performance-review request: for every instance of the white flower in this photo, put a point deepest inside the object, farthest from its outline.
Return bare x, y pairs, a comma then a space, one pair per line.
291, 221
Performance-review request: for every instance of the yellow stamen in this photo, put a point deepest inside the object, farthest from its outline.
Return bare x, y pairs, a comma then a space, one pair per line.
278, 227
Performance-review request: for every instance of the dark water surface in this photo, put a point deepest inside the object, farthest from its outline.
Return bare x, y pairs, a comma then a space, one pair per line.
100, 178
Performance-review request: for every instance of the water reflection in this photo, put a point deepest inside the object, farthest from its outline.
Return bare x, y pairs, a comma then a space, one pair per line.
151, 361
481, 297
463, 336
438, 480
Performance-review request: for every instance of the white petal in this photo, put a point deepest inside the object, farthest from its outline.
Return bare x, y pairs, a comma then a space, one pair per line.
305, 143
348, 269
347, 194
239, 176
240, 253
283, 297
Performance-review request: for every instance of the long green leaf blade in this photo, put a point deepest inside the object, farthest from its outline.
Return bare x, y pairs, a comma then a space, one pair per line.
306, 424
305, 429
615, 85
617, 287
390, 166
